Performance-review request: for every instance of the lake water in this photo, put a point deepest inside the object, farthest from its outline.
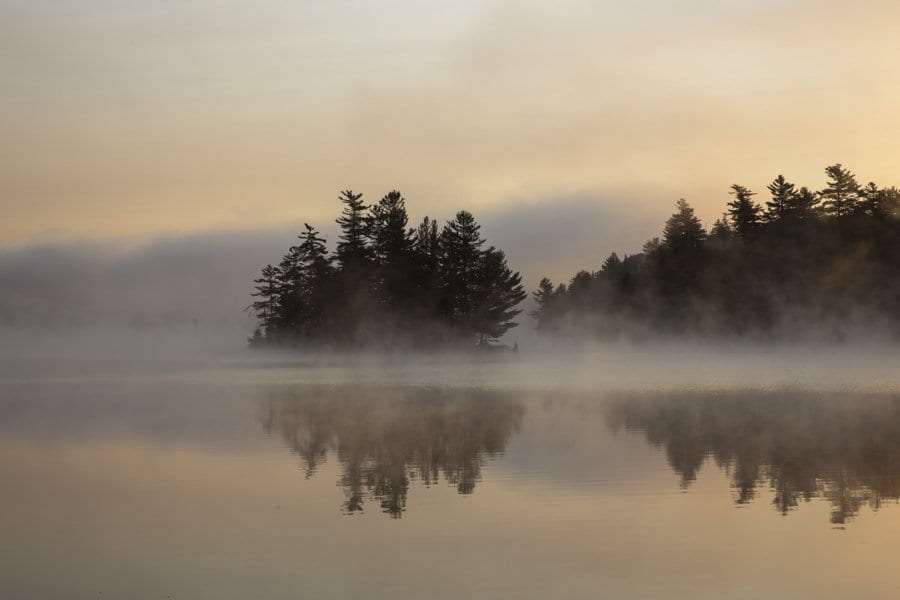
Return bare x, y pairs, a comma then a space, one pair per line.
605, 475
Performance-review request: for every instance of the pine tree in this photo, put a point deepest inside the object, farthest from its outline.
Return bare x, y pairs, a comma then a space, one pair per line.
291, 285
314, 253
460, 243
744, 213
683, 231
782, 192
498, 292
651, 247
721, 231
266, 307
877, 202
427, 245
802, 205
316, 283
543, 299
352, 249
678, 264
426, 268
841, 192
392, 248
353, 300
890, 201
391, 240
612, 264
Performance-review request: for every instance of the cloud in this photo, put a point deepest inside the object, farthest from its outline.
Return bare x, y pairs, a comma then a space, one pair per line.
171, 280
555, 237
130, 118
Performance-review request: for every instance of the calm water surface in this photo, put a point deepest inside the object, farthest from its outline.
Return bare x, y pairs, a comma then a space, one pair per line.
746, 479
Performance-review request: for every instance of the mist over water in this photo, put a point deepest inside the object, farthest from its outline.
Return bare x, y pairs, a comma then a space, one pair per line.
185, 469
502, 300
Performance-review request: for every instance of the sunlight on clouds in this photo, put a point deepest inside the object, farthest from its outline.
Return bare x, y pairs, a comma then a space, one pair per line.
136, 119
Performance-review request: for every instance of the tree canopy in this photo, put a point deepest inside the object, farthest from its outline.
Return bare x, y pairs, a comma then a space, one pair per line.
812, 265
386, 284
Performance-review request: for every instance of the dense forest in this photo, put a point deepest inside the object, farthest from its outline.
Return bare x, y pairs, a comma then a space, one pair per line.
387, 285
803, 265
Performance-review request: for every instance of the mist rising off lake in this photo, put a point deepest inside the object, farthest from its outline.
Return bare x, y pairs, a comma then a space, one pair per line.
629, 474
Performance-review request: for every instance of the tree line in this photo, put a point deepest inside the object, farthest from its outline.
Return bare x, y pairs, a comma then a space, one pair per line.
387, 284
803, 264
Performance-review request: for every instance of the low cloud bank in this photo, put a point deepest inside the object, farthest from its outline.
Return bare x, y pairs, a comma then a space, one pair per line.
202, 281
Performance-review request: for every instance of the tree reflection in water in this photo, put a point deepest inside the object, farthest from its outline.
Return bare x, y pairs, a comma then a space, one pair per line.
384, 438
844, 448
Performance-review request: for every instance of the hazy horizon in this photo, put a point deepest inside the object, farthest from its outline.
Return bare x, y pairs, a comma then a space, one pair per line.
131, 120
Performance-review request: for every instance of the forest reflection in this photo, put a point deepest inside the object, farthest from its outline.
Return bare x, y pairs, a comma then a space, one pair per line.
841, 447
385, 438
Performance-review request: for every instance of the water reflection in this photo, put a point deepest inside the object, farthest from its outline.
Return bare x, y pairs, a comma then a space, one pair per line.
843, 448
384, 438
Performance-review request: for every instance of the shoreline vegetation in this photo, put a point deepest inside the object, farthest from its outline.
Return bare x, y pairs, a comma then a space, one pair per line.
804, 266
801, 266
388, 285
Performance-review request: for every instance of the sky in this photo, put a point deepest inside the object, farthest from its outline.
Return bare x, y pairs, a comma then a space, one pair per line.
128, 121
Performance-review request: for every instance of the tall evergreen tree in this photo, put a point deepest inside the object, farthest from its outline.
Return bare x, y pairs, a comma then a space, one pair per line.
721, 231
744, 213
651, 247
352, 248
890, 201
392, 247
612, 264
782, 193
391, 240
802, 205
353, 300
291, 286
426, 271
265, 308
683, 231
877, 202
543, 300
841, 192
427, 244
680, 260
460, 263
498, 292
317, 280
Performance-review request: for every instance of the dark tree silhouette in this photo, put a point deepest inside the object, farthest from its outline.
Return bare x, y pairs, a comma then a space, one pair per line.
721, 232
802, 205
543, 300
266, 307
392, 246
683, 232
744, 213
782, 193
499, 291
388, 285
841, 193
353, 249
316, 278
798, 271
